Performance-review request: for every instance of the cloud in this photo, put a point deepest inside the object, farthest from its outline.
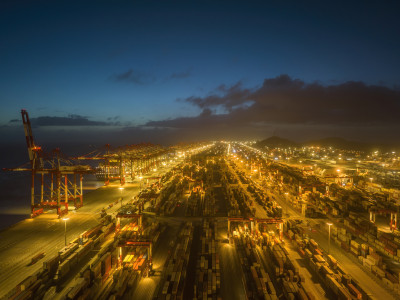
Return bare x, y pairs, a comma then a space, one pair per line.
291, 107
134, 76
203, 120
116, 118
227, 97
143, 78
283, 100
298, 109
71, 120
181, 75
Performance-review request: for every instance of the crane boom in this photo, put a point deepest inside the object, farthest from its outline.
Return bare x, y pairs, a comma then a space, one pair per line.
28, 134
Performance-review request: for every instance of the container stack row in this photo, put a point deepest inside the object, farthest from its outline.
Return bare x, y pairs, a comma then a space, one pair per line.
172, 283
208, 274
257, 281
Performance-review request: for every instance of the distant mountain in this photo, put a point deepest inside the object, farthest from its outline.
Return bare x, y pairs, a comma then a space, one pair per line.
276, 142
335, 142
340, 143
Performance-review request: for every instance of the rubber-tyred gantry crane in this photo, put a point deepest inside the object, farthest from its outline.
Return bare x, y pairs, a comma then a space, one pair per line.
132, 243
257, 221
53, 177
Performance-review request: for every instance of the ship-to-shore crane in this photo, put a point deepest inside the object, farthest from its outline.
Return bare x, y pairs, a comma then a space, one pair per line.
53, 176
126, 161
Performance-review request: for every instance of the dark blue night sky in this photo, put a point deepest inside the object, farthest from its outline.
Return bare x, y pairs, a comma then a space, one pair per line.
166, 71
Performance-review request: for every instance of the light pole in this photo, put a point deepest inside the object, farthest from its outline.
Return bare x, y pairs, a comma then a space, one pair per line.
140, 187
121, 189
65, 230
286, 200
329, 239
339, 177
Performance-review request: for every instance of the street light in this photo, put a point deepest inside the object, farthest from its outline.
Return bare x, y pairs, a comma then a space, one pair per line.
121, 189
140, 187
329, 240
65, 230
286, 200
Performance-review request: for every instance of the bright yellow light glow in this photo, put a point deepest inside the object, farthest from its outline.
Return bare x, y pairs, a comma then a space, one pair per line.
148, 281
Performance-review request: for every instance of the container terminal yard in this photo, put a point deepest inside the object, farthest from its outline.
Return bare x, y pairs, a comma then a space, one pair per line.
218, 220
199, 150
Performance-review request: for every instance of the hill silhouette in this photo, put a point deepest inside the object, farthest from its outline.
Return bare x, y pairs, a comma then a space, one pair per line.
335, 142
276, 142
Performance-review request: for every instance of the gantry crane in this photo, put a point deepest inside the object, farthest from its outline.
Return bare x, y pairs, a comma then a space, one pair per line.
127, 160
132, 243
257, 221
373, 211
57, 176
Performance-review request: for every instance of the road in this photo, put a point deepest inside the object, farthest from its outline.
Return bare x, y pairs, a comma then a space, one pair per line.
232, 286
